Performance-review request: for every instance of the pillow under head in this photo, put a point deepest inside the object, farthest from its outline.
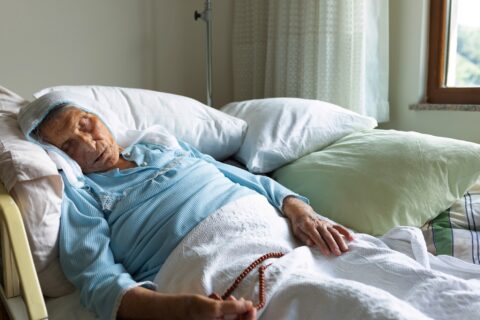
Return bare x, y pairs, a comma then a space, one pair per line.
10, 101
207, 129
33, 181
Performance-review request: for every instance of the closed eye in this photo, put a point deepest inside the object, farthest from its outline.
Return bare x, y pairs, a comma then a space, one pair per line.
84, 123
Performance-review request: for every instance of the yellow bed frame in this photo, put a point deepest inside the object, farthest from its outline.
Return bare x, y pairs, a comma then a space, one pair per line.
21, 294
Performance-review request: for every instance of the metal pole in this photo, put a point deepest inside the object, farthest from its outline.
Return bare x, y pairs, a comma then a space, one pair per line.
205, 15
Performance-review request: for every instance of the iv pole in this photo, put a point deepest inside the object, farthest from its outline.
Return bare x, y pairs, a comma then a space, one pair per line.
205, 15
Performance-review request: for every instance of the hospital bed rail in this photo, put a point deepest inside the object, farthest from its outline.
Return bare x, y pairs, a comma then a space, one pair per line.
20, 291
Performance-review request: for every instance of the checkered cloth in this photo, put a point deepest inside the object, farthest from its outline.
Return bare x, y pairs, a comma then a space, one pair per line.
456, 231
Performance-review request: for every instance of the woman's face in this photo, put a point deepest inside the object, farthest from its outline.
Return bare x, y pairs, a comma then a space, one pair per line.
82, 136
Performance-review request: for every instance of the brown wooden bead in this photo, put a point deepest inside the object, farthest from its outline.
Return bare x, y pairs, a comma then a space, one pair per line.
261, 279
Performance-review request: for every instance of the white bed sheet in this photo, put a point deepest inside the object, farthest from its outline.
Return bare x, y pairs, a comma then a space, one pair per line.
371, 281
391, 277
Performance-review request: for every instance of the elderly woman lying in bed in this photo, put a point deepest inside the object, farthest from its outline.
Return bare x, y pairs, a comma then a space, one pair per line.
138, 203
165, 217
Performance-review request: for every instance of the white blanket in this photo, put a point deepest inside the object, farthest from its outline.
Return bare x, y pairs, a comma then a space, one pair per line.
371, 281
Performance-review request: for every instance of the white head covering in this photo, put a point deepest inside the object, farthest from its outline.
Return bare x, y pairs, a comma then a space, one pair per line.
30, 117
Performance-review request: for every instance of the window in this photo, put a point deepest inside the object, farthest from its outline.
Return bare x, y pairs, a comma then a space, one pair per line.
454, 52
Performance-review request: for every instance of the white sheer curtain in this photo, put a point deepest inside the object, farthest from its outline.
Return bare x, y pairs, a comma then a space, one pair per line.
331, 50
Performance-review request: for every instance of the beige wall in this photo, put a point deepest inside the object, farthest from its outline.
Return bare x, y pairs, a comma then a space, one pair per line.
408, 53
48, 42
154, 44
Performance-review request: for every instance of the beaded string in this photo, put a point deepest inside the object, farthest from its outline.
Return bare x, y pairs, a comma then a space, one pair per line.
261, 279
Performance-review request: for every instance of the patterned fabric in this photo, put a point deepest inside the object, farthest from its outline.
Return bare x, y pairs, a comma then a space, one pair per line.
330, 50
456, 231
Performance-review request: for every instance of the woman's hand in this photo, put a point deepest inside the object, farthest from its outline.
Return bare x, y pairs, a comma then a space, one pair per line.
312, 230
141, 303
203, 308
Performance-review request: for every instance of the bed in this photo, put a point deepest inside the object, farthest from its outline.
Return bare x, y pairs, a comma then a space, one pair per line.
308, 152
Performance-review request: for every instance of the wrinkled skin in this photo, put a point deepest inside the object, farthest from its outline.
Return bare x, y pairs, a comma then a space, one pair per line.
309, 228
85, 138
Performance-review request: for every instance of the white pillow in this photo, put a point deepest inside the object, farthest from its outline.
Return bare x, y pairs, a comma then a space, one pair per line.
281, 130
33, 181
10, 101
207, 129
40, 202
16, 155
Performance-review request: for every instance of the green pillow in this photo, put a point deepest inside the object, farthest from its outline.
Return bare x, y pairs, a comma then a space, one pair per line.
372, 181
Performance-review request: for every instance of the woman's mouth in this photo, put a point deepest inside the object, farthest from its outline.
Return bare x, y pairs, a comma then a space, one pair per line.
101, 157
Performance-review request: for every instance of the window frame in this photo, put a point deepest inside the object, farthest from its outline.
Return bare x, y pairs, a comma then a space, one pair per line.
437, 92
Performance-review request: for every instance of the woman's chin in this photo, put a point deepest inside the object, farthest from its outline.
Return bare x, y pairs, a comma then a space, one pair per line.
110, 162
107, 161
106, 164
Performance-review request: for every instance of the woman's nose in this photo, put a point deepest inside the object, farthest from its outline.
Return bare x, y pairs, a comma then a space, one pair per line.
87, 141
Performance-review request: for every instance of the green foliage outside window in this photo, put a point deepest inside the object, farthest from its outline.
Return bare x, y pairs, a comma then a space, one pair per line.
468, 57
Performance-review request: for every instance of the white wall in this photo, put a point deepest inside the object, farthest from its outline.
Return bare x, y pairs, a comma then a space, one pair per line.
51, 42
408, 66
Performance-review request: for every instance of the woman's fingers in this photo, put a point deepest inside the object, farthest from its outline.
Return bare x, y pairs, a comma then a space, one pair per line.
250, 315
339, 239
234, 307
204, 308
344, 232
303, 237
329, 239
317, 238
